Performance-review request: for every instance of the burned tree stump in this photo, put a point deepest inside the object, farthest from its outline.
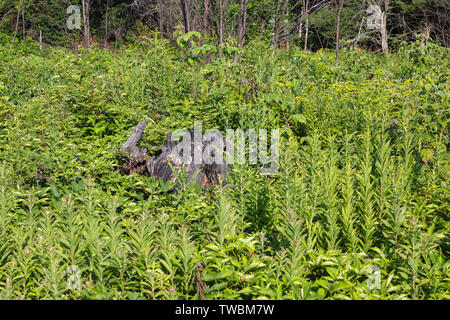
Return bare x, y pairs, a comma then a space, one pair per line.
134, 159
131, 144
175, 155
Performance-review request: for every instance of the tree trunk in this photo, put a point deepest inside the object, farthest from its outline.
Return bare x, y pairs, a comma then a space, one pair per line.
242, 23
220, 28
242, 26
383, 28
205, 14
262, 28
283, 14
427, 32
185, 12
160, 8
23, 22
276, 27
338, 26
106, 24
87, 32
300, 24
279, 16
17, 24
306, 24
383, 31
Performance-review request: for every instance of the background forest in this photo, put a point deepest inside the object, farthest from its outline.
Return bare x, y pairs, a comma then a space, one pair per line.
310, 24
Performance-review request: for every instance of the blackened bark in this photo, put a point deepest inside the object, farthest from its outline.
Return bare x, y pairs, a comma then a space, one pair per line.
162, 166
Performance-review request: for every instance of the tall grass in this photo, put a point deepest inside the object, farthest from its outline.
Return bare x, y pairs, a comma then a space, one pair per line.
363, 179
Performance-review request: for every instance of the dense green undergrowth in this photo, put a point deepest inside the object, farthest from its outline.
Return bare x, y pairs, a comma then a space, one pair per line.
362, 193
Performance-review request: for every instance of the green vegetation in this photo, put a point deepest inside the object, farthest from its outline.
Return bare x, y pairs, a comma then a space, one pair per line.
363, 180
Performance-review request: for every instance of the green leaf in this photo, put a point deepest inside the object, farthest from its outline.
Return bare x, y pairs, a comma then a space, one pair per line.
426, 154
298, 118
212, 276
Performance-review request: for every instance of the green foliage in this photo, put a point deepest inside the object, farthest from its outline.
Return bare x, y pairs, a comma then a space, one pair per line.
363, 179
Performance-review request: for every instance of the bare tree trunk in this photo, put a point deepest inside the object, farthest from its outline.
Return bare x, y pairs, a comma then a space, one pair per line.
306, 5
318, 37
87, 32
276, 31
283, 15
160, 8
338, 26
40, 40
425, 36
23, 22
427, 32
205, 14
262, 28
300, 24
106, 24
185, 11
383, 31
383, 28
221, 22
17, 24
242, 28
278, 20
